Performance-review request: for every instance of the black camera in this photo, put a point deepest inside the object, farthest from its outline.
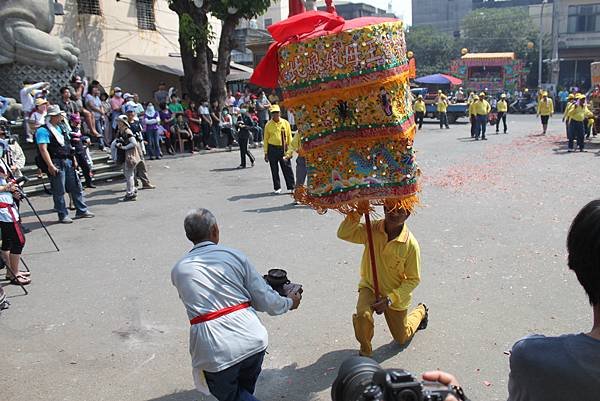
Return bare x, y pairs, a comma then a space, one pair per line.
362, 379
277, 279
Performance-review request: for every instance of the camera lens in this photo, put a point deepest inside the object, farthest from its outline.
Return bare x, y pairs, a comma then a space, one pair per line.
355, 381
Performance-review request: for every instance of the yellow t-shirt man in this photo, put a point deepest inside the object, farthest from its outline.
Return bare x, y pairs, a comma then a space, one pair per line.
420, 106
442, 104
277, 133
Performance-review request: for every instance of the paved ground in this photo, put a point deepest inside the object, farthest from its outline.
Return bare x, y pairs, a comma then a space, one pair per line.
103, 322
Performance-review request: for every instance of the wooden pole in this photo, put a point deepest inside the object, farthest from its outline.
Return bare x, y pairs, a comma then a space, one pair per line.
372, 255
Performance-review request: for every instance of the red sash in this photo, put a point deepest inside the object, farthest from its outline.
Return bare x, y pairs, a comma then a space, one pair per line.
15, 221
217, 314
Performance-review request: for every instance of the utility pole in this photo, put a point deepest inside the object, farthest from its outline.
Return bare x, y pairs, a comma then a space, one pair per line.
540, 65
555, 33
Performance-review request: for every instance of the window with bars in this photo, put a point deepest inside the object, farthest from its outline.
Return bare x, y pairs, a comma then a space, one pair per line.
584, 18
145, 15
89, 7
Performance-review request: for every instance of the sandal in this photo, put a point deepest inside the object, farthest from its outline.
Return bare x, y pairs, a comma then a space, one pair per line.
23, 273
19, 279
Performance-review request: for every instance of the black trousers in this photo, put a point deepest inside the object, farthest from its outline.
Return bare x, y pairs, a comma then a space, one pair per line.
419, 118
473, 126
243, 137
85, 167
238, 382
206, 130
275, 157
501, 116
576, 132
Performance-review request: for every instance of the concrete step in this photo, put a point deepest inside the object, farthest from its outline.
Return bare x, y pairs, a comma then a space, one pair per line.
38, 188
103, 170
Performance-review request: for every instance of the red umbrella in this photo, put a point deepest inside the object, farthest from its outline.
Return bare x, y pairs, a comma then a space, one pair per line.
453, 80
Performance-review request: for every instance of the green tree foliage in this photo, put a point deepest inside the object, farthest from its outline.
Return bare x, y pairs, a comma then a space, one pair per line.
195, 35
499, 30
505, 30
432, 49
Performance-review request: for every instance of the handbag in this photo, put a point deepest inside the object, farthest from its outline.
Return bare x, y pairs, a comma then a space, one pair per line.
133, 157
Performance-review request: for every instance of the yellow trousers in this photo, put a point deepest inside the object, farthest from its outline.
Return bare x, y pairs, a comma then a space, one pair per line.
402, 324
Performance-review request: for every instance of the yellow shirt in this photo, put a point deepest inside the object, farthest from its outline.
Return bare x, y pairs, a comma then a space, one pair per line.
579, 113
275, 131
481, 107
545, 108
502, 105
420, 106
442, 104
472, 108
567, 110
398, 261
295, 145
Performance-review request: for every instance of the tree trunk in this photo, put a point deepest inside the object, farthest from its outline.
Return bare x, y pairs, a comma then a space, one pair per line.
219, 77
195, 66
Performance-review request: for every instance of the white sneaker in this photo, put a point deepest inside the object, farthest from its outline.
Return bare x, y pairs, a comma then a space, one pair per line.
277, 191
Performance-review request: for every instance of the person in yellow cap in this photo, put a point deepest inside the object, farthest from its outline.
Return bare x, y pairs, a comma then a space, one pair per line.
502, 107
277, 139
570, 102
576, 116
398, 268
472, 115
545, 109
482, 109
441, 102
420, 109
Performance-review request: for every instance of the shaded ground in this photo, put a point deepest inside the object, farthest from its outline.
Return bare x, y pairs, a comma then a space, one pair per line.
103, 322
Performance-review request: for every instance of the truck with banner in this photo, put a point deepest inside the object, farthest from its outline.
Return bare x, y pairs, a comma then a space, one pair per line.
493, 73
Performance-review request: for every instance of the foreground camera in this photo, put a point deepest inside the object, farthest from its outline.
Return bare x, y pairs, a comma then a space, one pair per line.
362, 379
277, 279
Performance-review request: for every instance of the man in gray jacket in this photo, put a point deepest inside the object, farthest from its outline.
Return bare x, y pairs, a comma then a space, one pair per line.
222, 292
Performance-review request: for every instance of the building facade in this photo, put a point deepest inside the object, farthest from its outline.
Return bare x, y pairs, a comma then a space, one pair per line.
444, 15
104, 29
506, 3
348, 10
578, 40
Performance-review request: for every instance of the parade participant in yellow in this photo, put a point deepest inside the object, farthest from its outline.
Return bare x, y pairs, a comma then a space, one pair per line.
397, 257
545, 109
441, 102
577, 113
481, 108
570, 102
278, 136
420, 110
502, 107
296, 146
473, 115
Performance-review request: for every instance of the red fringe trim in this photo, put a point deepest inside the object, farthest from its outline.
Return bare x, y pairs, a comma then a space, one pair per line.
362, 200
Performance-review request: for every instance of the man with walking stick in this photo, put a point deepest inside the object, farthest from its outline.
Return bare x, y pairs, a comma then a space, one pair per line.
388, 287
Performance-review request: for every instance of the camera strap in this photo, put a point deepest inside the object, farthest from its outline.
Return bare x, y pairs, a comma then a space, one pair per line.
460, 393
